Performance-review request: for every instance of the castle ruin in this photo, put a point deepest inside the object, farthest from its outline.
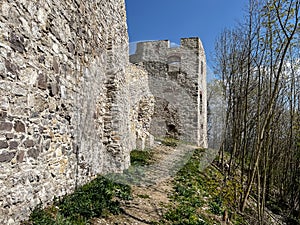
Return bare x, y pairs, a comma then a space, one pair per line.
177, 79
71, 104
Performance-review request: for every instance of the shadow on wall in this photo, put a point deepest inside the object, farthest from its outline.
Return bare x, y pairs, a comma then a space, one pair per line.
166, 120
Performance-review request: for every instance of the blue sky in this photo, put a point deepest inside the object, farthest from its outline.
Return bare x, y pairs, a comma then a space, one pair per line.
173, 19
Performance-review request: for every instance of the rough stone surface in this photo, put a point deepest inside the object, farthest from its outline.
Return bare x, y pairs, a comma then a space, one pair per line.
6, 126
6, 156
64, 99
177, 79
19, 126
3, 144
141, 107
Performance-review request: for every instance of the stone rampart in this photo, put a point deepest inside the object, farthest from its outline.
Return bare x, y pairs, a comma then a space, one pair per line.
64, 98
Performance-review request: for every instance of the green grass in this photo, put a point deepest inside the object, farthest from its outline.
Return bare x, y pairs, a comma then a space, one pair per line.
141, 157
144, 196
98, 198
187, 195
215, 206
198, 197
170, 142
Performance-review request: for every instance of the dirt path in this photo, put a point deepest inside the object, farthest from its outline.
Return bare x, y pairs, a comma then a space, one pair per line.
148, 205
151, 185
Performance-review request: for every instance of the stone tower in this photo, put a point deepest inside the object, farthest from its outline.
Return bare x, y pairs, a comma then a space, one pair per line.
177, 79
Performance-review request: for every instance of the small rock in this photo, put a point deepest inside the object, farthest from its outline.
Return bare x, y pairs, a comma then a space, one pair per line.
10, 66
9, 136
55, 66
17, 43
54, 89
4, 103
34, 153
20, 156
6, 156
19, 126
6, 126
3, 144
42, 81
55, 48
13, 145
28, 143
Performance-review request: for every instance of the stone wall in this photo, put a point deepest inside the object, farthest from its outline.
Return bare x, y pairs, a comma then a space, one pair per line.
177, 79
64, 98
141, 107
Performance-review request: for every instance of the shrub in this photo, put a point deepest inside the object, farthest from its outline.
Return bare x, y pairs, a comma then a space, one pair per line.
40, 216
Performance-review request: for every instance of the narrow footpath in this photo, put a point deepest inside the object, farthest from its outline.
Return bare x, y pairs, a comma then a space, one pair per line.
152, 184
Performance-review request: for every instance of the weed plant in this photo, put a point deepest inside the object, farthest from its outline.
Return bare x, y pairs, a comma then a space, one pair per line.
141, 157
168, 141
188, 190
199, 197
98, 198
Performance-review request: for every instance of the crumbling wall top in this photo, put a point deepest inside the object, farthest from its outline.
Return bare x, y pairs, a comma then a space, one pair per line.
161, 50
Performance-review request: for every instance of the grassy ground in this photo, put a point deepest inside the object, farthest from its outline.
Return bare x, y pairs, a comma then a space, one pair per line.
199, 197
99, 198
196, 197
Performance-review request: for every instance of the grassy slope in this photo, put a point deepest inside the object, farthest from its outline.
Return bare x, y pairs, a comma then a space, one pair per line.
98, 198
198, 198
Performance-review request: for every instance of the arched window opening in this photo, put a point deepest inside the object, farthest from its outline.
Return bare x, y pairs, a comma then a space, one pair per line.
174, 63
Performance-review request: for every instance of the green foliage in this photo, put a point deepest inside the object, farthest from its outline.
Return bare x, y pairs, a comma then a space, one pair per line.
40, 216
216, 187
187, 195
196, 190
216, 206
144, 196
170, 142
184, 215
274, 207
95, 199
238, 220
291, 220
141, 157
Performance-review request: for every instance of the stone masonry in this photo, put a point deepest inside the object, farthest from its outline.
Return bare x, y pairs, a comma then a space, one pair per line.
71, 104
65, 99
177, 79
141, 107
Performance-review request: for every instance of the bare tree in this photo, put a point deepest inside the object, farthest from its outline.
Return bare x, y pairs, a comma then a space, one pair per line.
259, 66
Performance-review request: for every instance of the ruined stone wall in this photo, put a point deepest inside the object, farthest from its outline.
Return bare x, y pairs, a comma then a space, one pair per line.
141, 107
64, 111
177, 79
